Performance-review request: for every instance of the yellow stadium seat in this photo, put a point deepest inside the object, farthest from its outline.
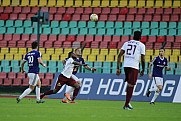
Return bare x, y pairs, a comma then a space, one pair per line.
132, 4
1, 56
110, 58
176, 52
91, 58
15, 3
9, 56
42, 3
113, 52
29, 49
63, 56
87, 3
45, 57
25, 3
18, 57
78, 3
168, 52
95, 52
147, 58
6, 3
51, 3
176, 3
113, 3
22, 51
60, 3
149, 52
149, 3
123, 4
105, 3
55, 57
104, 52
13, 50
179, 58
67, 50
69, 3
96, 3
86, 51
4, 50
173, 58
58, 51
156, 52
33, 2
100, 58
159, 4
84, 57
42, 50
141, 3
50, 51
167, 4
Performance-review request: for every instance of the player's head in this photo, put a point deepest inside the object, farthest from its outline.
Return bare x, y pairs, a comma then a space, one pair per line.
161, 51
34, 45
137, 35
70, 54
78, 52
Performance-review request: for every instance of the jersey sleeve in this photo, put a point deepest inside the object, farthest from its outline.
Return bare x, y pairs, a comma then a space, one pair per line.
124, 46
166, 62
25, 58
83, 62
39, 55
154, 60
70, 60
143, 49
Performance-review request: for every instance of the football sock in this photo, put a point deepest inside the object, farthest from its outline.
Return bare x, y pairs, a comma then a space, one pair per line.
128, 95
76, 91
155, 96
49, 92
25, 93
70, 91
37, 93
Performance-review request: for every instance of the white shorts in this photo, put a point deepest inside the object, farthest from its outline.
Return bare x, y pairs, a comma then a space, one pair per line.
158, 81
33, 79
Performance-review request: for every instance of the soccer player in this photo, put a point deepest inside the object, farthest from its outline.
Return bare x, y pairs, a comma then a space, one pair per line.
132, 51
70, 90
65, 78
158, 63
34, 59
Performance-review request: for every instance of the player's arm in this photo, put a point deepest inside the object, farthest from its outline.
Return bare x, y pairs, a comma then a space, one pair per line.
89, 68
167, 68
142, 64
77, 63
41, 62
118, 62
63, 62
22, 66
149, 68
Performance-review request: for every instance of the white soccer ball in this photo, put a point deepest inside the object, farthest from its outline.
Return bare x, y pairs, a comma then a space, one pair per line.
94, 17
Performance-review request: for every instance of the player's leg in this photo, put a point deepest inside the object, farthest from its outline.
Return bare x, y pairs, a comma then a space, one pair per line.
38, 86
159, 83
32, 82
153, 88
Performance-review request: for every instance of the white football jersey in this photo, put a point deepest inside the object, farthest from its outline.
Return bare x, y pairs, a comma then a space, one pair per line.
68, 68
133, 50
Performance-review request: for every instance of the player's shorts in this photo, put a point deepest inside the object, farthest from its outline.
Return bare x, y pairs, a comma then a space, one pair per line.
75, 78
33, 79
131, 75
158, 81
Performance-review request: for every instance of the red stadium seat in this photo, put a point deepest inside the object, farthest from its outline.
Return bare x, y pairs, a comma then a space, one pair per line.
52, 37
141, 10
70, 10
79, 10
103, 44
112, 18
17, 82
48, 44
48, 76
58, 17
4, 16
124, 38
21, 43
17, 9
4, 43
3, 75
151, 38
168, 45
13, 16
67, 17
178, 39
157, 46
147, 18
61, 10
120, 44
169, 38
98, 38
22, 16
25, 82
121, 18
35, 10
106, 10
150, 11
1, 37
168, 11
124, 11
103, 17
70, 38
26, 10
33, 37
8, 9
25, 37
85, 17
1, 82
7, 82
177, 11
43, 37
160, 39
61, 37
29, 16
132, 10
130, 18
88, 10
11, 75
67, 44
139, 18
53, 10
113, 45
16, 37
143, 39
159, 11
51, 17
97, 10
80, 38
176, 45
157, 17
8, 37
165, 18
116, 39
41, 75
89, 38
174, 18
115, 11
28, 43
149, 45
45, 82
12, 43
20, 75
95, 44
107, 39
1, 9
76, 17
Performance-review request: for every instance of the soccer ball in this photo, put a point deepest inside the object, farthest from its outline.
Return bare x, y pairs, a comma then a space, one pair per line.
94, 17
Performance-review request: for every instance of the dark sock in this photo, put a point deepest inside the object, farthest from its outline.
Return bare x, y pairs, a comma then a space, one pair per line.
76, 91
128, 95
49, 92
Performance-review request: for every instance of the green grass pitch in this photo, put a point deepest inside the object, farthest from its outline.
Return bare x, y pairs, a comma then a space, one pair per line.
86, 110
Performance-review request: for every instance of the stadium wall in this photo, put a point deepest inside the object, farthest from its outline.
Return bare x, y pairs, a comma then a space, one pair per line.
112, 87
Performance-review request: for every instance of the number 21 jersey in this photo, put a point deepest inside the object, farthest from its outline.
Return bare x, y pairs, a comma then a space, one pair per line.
32, 59
133, 50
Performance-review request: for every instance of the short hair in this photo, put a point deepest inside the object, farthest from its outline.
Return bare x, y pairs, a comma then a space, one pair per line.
34, 45
137, 35
70, 54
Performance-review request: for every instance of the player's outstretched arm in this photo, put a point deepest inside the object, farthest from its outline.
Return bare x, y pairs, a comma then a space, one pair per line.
89, 68
41, 62
168, 68
77, 63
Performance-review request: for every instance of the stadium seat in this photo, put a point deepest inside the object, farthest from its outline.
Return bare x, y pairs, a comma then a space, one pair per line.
165, 18
121, 18
174, 18
147, 18
92, 31
100, 58
20, 75
112, 17
123, 4
16, 82
88, 10
113, 3
13, 16
3, 75
81, 24
83, 31
25, 82
176, 11
45, 82
7, 82
139, 18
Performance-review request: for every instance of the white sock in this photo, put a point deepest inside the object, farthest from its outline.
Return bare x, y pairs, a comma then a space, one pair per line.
37, 93
70, 91
153, 89
155, 96
25, 93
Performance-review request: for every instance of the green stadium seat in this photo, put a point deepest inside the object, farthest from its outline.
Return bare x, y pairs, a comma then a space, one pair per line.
4, 63
154, 25
6, 69
83, 31
42, 69
145, 25
46, 30
52, 64
172, 32
172, 25
118, 24
16, 69
100, 24
101, 31
179, 25
9, 23
55, 31
74, 31
2, 30
10, 30
106, 70
81, 24
127, 32
18, 23
92, 31
163, 25
27, 23
110, 32
145, 32
179, 32
54, 24
127, 24
52, 69
14, 63
60, 66
136, 25
1, 23
63, 24
177, 71
91, 24
19, 30
72, 24
65, 31
119, 32
163, 32
154, 32
28, 30
109, 24
90, 64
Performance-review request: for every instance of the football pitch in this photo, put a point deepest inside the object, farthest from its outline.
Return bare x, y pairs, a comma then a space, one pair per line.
86, 110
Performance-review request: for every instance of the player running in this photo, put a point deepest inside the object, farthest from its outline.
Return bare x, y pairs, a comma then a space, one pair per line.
34, 59
132, 51
158, 63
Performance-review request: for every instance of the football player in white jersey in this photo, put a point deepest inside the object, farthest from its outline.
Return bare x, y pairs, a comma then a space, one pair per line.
132, 51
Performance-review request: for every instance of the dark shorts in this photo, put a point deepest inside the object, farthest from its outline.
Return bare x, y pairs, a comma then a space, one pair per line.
131, 75
64, 80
